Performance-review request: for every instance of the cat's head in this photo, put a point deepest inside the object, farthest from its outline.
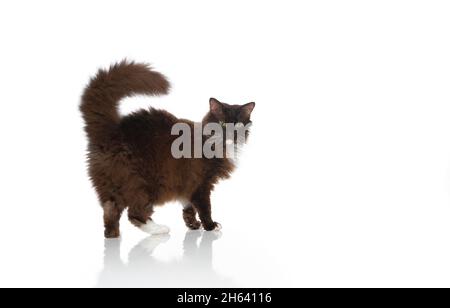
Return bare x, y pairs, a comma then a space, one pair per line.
224, 114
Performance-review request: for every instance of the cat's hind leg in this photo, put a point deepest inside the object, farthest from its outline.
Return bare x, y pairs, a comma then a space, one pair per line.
147, 225
111, 217
140, 212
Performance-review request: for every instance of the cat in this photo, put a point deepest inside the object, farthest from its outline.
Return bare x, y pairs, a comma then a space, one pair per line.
129, 158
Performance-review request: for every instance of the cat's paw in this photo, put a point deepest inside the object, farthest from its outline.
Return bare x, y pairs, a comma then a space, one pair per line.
153, 228
194, 225
214, 226
112, 233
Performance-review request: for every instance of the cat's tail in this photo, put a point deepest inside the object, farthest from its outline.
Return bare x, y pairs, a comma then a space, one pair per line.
100, 100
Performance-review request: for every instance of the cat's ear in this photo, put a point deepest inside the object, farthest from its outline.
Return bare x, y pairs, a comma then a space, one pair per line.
215, 107
247, 109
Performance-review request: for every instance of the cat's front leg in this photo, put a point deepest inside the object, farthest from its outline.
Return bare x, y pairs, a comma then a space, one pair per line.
189, 216
202, 203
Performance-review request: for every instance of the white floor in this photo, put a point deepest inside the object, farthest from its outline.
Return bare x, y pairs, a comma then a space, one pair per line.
358, 231
345, 182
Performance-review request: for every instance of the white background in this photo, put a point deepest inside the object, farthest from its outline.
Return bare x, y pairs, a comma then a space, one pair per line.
345, 181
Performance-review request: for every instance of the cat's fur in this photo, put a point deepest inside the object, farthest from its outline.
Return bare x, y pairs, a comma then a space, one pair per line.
130, 160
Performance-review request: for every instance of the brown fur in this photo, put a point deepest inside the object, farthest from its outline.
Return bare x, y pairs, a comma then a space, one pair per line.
130, 161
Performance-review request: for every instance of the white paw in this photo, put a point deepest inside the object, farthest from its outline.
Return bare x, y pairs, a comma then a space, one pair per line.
153, 228
218, 227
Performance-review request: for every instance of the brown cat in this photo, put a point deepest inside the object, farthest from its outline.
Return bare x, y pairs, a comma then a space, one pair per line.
130, 159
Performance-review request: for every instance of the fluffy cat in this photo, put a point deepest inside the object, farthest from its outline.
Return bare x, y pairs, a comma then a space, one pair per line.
130, 160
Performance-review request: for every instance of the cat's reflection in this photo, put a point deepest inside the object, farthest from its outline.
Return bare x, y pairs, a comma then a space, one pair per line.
194, 269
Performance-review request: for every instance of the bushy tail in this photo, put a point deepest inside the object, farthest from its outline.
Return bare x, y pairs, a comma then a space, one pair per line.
99, 103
